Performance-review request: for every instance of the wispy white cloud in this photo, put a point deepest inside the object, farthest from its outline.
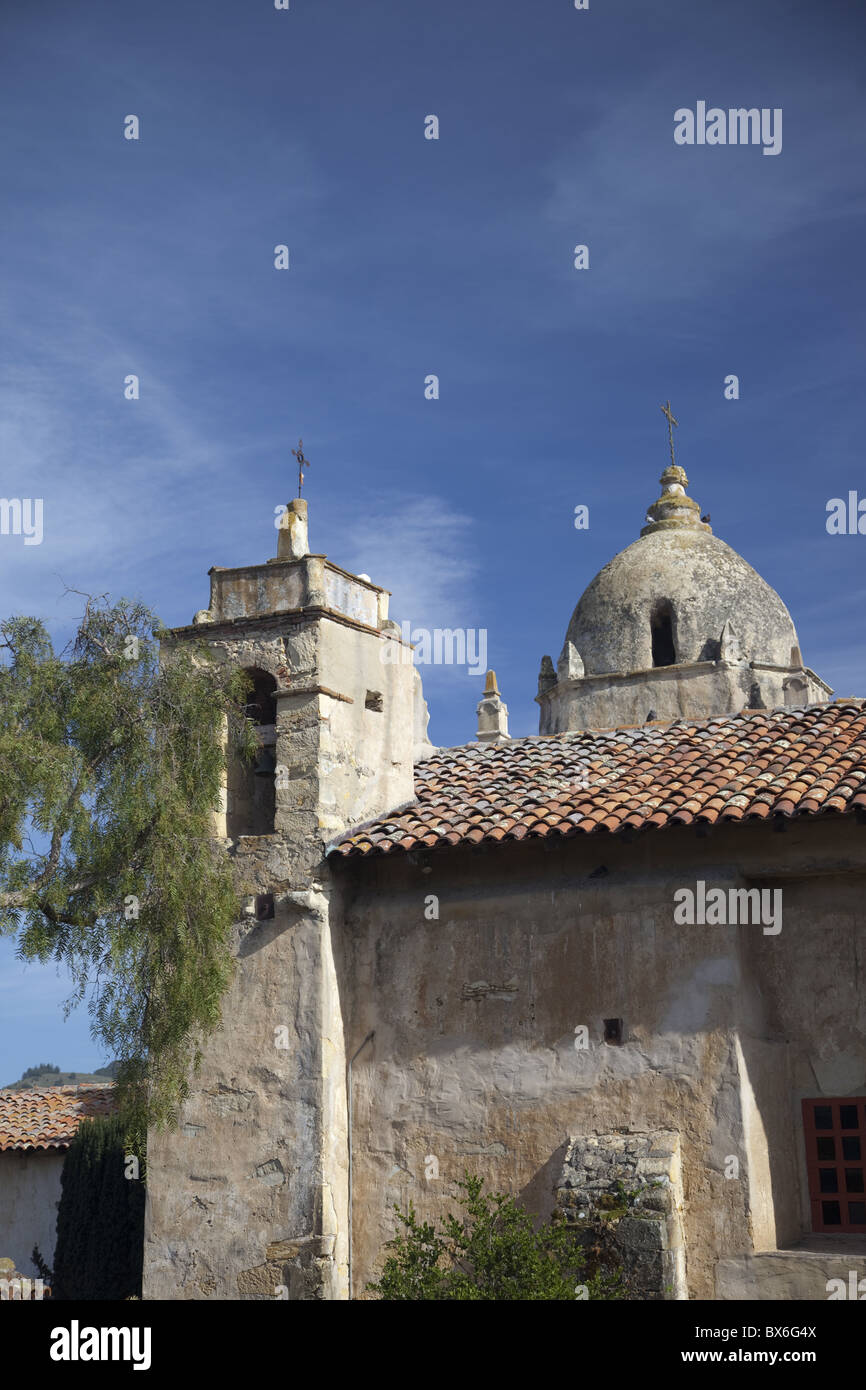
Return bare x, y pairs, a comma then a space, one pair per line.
421, 548
669, 223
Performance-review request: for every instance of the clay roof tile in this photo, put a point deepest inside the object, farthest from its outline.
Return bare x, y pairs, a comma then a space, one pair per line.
740, 767
48, 1116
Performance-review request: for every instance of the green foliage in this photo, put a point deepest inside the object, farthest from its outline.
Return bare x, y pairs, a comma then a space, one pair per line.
612, 1206
100, 1217
45, 1272
110, 770
43, 1069
492, 1252
52, 1076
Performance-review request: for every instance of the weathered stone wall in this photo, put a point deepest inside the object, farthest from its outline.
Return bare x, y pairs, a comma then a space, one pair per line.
623, 1194
794, 1275
250, 1195
697, 691
475, 1014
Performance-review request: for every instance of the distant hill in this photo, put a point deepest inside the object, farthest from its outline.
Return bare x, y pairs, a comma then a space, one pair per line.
46, 1074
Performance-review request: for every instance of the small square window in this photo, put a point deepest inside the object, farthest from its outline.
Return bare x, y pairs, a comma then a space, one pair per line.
374, 700
827, 1149
850, 1147
832, 1213
857, 1213
613, 1030
264, 907
828, 1180
854, 1180
823, 1117
848, 1117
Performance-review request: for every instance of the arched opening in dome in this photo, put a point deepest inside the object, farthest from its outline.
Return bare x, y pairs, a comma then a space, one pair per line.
662, 632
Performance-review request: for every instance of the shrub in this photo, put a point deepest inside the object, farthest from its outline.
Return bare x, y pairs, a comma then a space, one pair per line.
493, 1252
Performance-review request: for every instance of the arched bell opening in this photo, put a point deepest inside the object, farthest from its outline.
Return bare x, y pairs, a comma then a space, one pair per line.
250, 782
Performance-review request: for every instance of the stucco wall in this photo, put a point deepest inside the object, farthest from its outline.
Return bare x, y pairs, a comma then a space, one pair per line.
29, 1193
474, 1061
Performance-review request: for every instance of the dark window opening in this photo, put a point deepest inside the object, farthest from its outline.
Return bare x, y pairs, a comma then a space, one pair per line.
250, 782
613, 1030
261, 706
373, 700
662, 630
264, 907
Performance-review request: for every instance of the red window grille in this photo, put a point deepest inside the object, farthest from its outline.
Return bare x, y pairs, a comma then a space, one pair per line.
835, 1132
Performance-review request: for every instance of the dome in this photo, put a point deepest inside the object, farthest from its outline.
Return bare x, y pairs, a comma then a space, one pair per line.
688, 583
667, 598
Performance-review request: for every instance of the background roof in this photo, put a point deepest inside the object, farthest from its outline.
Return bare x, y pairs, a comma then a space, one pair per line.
49, 1117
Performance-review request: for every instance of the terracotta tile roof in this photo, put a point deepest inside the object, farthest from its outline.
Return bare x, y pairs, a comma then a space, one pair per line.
740, 767
47, 1118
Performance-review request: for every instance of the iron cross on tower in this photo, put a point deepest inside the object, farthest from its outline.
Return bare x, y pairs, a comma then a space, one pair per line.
302, 463
666, 411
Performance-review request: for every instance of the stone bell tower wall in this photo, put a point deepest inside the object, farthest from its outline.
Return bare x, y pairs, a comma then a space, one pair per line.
248, 1197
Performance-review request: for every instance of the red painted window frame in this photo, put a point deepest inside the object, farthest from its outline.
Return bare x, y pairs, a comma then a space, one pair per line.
814, 1164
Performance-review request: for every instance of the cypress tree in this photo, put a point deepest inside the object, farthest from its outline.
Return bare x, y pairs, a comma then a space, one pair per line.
100, 1218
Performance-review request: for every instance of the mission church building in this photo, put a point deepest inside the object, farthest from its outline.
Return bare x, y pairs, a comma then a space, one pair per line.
476, 958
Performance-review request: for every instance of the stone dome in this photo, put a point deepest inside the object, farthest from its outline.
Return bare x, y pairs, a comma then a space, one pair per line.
668, 597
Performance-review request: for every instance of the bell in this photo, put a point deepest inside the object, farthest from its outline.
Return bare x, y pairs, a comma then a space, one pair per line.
266, 765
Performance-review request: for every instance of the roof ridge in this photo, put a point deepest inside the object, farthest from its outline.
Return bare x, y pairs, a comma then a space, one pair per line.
856, 702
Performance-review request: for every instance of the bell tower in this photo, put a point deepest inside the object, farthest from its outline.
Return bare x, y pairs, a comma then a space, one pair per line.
248, 1197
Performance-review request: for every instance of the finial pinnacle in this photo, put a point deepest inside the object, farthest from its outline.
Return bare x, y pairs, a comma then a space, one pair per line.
492, 713
302, 464
666, 411
673, 510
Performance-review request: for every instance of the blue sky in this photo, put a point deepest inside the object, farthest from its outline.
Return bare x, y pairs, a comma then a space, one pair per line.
410, 257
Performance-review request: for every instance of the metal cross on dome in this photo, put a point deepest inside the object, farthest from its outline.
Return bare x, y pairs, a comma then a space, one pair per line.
302, 463
666, 411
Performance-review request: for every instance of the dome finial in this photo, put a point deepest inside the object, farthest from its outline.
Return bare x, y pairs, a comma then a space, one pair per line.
666, 411
302, 464
673, 509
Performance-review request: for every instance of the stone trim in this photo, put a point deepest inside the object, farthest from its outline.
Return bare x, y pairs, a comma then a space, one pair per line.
293, 617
